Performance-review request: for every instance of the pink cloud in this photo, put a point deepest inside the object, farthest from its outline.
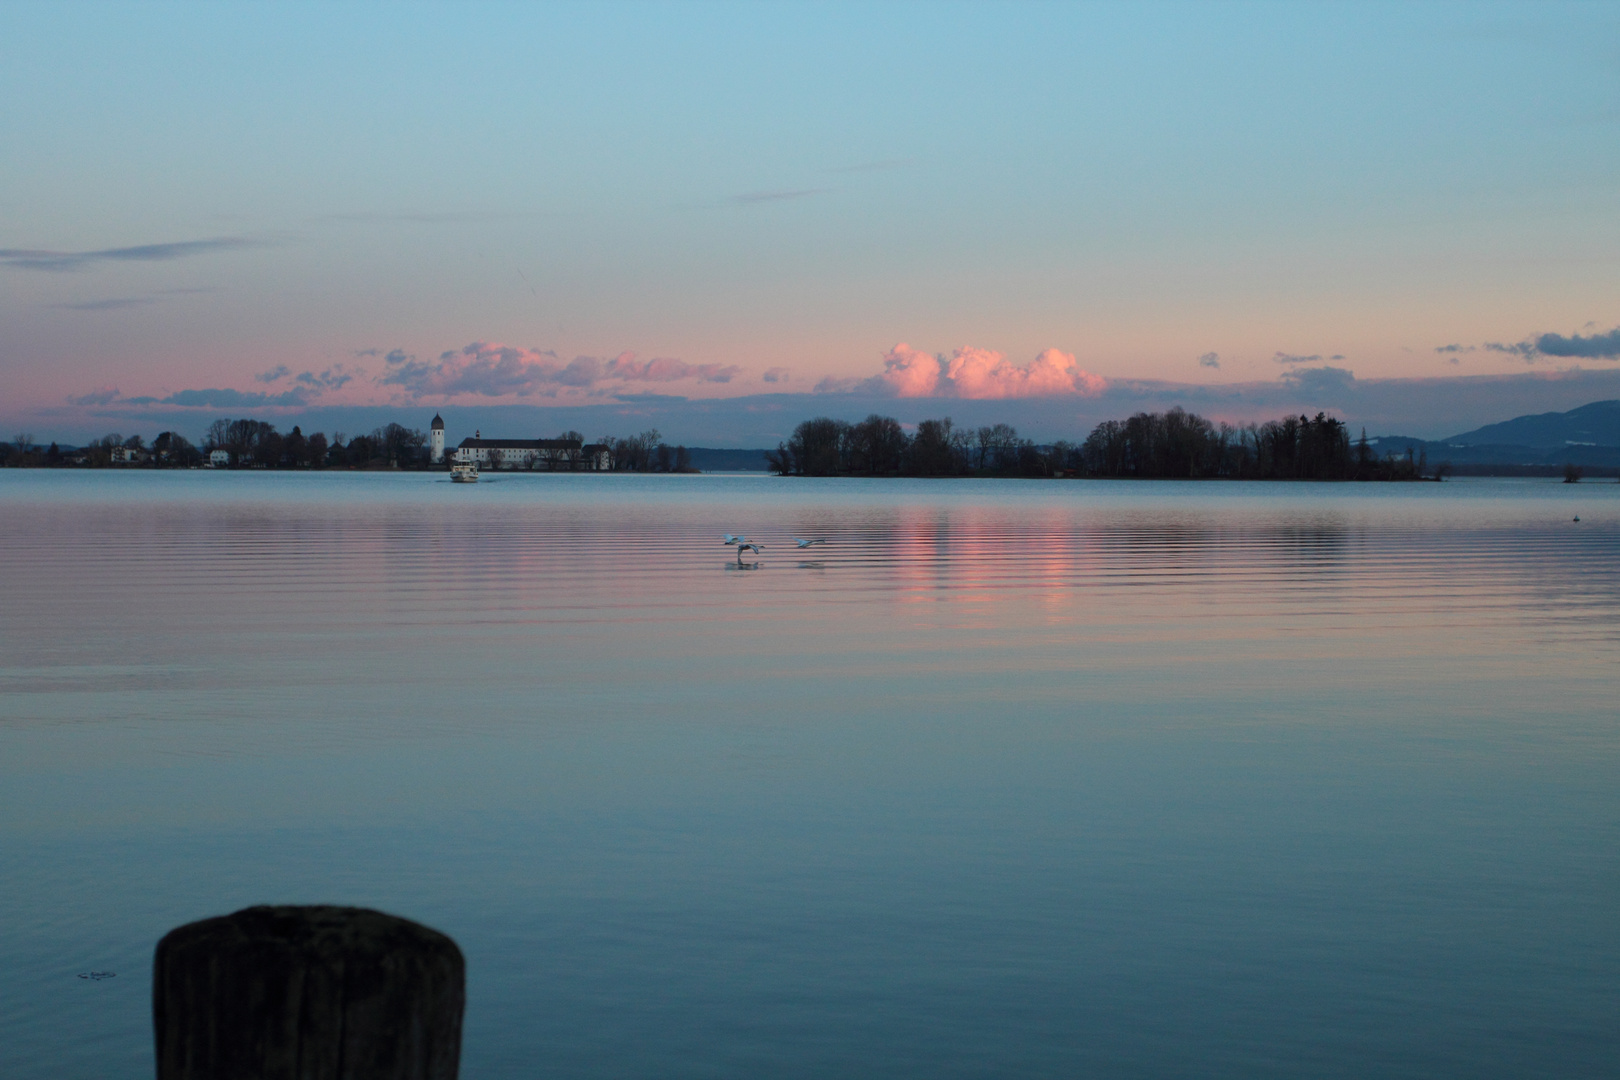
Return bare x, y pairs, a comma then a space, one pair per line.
486, 368
982, 373
490, 369
911, 373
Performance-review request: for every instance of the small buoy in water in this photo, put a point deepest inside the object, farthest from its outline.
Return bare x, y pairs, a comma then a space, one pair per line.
97, 976
1577, 517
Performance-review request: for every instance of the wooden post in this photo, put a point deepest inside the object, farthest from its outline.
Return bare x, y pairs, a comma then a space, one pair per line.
307, 993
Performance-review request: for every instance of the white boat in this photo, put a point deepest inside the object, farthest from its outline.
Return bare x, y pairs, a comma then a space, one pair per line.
464, 474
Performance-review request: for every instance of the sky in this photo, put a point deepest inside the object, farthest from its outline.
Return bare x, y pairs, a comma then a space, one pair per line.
782, 210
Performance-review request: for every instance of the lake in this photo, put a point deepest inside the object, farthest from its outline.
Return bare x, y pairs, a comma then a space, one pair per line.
1007, 778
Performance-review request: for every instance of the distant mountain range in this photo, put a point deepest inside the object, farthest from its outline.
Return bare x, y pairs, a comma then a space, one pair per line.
1597, 424
1588, 436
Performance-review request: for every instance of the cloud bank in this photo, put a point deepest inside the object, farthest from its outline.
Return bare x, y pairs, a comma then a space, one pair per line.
1319, 382
1539, 346
207, 398
1594, 347
490, 369
1431, 407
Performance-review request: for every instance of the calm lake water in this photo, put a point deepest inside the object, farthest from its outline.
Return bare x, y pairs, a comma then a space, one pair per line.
1022, 779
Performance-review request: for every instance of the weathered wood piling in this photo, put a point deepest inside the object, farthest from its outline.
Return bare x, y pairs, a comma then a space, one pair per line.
307, 993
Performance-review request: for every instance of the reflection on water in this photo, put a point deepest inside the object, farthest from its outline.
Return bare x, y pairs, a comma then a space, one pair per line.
1011, 779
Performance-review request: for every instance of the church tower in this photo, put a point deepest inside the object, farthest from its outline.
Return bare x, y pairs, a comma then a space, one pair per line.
438, 439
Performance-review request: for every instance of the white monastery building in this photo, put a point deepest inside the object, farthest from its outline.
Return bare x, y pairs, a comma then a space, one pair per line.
545, 455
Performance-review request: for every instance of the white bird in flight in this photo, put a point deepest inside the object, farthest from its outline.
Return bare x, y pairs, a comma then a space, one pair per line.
729, 539
758, 549
807, 543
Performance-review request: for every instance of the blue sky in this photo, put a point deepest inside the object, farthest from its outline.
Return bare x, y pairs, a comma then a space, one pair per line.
195, 197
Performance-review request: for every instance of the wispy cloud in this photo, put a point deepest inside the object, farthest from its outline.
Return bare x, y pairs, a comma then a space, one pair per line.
1294, 358
1525, 350
750, 197
425, 217
1210, 360
62, 261
333, 378
112, 304
210, 398
776, 375
225, 398
667, 369
310, 388
120, 303
882, 165
490, 369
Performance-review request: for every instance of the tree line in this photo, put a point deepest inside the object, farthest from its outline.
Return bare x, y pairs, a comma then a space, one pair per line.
1169, 445
258, 443
246, 444
1181, 444
249, 443
168, 449
646, 452
880, 446
1172, 444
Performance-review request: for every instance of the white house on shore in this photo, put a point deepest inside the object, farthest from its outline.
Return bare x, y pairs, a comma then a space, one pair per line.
544, 455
